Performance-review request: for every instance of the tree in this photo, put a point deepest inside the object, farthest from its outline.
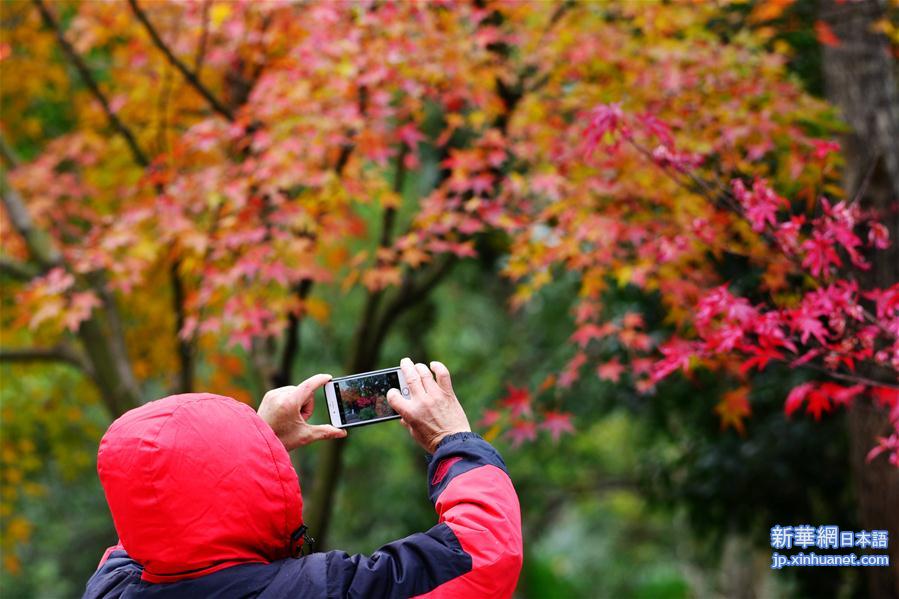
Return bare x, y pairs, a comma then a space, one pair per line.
816, 286
228, 158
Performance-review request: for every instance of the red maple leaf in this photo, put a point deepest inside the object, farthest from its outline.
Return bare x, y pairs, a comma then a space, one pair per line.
818, 403
557, 423
886, 396
761, 357
840, 395
796, 397
808, 325
820, 253
825, 34
489, 418
886, 444
518, 401
586, 332
521, 431
610, 371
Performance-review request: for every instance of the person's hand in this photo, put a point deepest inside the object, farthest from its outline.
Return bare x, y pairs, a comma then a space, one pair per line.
432, 411
286, 409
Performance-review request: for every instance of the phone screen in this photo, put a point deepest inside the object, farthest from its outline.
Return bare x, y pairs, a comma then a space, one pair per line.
365, 398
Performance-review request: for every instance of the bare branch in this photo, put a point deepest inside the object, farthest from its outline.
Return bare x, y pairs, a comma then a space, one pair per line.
866, 181
852, 378
188, 74
410, 292
39, 244
56, 353
91, 83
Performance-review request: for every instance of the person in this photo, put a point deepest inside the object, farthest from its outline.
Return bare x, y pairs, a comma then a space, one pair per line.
206, 502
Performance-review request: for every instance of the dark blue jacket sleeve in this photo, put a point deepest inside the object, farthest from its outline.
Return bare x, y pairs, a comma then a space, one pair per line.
424, 562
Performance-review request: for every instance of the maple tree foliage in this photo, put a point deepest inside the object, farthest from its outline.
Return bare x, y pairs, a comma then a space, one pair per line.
218, 162
206, 166
663, 184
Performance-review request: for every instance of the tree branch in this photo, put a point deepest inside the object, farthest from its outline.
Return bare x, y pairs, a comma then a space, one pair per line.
409, 293
39, 244
852, 378
188, 74
91, 83
284, 375
56, 353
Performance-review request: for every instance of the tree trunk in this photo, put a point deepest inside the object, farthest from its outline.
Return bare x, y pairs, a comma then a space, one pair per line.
330, 461
861, 81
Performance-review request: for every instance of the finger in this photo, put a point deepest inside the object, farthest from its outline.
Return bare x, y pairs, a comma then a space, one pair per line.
314, 383
399, 404
305, 393
443, 376
325, 431
427, 379
413, 379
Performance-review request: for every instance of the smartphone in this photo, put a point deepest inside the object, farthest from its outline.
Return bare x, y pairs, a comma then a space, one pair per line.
360, 399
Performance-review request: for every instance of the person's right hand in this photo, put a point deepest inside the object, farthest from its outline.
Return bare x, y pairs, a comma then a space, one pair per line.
432, 411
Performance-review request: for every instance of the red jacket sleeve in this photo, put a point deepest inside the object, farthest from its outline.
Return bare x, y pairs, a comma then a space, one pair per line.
474, 496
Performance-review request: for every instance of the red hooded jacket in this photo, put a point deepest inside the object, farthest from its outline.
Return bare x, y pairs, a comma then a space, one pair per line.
207, 503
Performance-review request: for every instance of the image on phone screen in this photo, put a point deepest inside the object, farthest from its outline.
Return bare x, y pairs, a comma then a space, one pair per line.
365, 398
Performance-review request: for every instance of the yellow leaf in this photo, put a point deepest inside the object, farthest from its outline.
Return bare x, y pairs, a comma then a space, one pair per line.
317, 309
623, 274
491, 434
477, 118
219, 12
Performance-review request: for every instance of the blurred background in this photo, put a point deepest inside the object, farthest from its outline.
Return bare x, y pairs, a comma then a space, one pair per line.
231, 196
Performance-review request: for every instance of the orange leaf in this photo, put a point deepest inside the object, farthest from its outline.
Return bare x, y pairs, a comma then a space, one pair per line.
825, 34
733, 407
769, 10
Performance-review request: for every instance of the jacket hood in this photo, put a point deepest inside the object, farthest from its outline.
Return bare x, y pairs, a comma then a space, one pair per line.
197, 483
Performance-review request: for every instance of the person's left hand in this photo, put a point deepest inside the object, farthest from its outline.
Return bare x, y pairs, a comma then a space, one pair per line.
286, 409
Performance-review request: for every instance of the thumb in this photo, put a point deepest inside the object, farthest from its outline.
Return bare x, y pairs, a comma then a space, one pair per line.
399, 404
326, 431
